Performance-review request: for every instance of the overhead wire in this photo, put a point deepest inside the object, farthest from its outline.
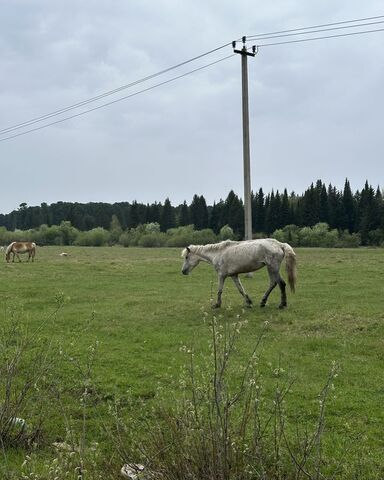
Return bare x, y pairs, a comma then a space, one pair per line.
108, 93
271, 35
319, 38
315, 26
317, 31
118, 99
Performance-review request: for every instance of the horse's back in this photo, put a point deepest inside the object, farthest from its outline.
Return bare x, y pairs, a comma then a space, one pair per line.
249, 256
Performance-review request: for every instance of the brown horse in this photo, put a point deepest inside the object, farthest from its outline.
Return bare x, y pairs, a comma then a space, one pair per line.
20, 247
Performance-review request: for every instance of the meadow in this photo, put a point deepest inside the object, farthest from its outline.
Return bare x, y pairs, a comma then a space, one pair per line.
118, 321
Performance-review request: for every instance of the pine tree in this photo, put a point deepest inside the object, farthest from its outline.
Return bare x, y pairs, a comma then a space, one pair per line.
285, 211
216, 221
334, 206
134, 217
258, 212
349, 208
368, 213
184, 217
199, 212
273, 218
233, 214
323, 205
311, 206
167, 219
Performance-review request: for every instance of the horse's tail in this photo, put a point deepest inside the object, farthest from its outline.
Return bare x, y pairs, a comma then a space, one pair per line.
290, 265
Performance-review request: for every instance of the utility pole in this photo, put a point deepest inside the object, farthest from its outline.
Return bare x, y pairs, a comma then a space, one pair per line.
246, 150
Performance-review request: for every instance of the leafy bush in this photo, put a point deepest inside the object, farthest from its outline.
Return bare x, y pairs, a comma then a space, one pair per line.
319, 235
376, 237
97, 237
181, 236
203, 237
26, 376
68, 233
153, 240
226, 233
226, 424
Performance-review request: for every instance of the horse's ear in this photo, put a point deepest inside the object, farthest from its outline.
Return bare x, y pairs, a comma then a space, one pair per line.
188, 250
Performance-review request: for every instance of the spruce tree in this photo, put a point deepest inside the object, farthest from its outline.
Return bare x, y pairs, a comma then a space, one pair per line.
349, 208
216, 218
258, 212
184, 217
285, 211
167, 219
233, 214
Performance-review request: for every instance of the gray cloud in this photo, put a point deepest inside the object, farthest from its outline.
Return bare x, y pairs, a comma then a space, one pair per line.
315, 107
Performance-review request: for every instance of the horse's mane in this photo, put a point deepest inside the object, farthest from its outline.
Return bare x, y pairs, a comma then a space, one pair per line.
212, 247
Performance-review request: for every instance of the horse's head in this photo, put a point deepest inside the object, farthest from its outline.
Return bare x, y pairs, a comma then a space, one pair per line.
8, 252
191, 260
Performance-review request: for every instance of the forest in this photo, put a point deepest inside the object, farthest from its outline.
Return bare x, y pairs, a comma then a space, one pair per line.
282, 214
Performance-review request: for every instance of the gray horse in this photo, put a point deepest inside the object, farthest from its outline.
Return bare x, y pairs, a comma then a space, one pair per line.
232, 258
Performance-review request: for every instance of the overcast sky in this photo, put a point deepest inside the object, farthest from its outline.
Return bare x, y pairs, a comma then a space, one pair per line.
316, 108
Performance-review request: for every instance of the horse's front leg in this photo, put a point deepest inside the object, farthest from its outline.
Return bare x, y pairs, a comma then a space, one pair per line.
221, 280
240, 287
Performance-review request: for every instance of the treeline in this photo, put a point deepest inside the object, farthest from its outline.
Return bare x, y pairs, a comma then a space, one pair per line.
149, 235
360, 213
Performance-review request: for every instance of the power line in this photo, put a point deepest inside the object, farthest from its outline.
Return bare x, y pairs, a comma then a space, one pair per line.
110, 92
149, 77
117, 100
320, 38
314, 26
318, 31
152, 76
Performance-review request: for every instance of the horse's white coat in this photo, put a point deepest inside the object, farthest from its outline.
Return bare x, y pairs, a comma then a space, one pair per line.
232, 258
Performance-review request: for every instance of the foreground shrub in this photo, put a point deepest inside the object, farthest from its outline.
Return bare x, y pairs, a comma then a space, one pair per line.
226, 425
26, 373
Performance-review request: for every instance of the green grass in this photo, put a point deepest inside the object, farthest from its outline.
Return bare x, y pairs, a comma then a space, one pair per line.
141, 310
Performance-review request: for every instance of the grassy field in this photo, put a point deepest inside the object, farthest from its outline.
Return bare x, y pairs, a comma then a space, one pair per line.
139, 310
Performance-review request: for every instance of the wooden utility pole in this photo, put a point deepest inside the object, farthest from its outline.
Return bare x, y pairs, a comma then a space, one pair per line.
246, 149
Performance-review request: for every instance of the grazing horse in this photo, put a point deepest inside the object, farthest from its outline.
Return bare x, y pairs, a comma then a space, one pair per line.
231, 258
15, 248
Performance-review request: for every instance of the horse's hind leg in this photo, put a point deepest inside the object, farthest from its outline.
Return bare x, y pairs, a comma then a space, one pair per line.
240, 287
274, 280
266, 294
283, 302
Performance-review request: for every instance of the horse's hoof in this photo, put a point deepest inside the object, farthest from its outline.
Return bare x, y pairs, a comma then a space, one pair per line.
262, 305
216, 305
281, 307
